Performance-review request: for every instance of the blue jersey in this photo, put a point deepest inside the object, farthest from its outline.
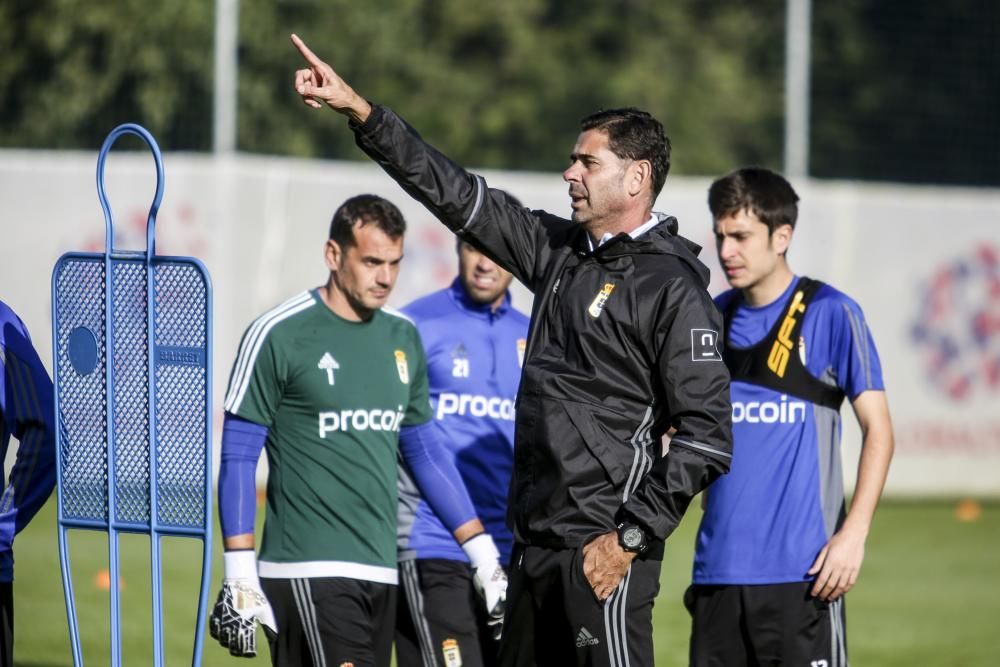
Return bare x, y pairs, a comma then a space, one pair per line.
27, 413
767, 520
474, 358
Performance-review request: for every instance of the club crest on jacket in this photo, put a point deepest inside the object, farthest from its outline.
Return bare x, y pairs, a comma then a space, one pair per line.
597, 305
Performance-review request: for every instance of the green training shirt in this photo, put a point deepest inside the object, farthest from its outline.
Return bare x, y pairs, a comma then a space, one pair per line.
333, 394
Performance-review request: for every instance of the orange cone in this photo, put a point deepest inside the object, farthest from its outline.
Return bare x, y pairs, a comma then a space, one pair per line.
102, 580
968, 511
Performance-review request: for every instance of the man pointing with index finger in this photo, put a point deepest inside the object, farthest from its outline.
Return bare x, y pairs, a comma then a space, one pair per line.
319, 83
622, 347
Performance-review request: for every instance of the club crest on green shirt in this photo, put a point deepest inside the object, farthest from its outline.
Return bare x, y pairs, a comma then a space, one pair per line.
404, 373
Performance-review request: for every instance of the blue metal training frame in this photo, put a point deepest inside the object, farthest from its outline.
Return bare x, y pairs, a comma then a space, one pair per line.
132, 351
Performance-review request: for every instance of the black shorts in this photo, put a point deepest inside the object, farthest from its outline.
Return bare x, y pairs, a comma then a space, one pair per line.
768, 624
331, 621
440, 619
6, 624
554, 618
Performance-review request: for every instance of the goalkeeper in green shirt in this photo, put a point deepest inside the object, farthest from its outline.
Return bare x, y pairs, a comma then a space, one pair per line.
332, 385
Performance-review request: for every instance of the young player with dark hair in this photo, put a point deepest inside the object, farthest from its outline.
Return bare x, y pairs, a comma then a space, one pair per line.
330, 384
776, 551
622, 348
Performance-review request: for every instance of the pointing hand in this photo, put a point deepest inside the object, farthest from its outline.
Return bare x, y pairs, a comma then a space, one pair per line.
318, 84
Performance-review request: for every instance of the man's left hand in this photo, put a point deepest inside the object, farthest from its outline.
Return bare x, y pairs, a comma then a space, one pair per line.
605, 564
838, 564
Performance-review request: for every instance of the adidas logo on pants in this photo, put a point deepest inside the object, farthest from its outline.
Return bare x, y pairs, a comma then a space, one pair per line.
584, 638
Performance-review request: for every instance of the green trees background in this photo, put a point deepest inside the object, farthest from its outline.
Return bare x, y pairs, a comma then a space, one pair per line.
503, 84
71, 70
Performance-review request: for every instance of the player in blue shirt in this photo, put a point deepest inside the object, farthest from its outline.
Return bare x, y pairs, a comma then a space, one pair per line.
475, 342
776, 550
27, 413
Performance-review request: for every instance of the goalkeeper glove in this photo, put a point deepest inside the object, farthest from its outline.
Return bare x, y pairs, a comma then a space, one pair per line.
488, 578
240, 605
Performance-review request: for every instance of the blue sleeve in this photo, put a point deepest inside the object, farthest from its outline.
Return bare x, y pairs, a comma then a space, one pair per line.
435, 474
242, 442
27, 412
851, 355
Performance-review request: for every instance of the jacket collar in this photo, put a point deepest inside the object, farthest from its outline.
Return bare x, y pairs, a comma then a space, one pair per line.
661, 239
647, 237
635, 233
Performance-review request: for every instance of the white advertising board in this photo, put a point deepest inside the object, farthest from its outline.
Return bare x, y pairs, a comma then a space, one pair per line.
923, 262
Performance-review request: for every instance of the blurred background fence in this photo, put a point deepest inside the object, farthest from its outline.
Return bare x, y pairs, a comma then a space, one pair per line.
898, 168
924, 263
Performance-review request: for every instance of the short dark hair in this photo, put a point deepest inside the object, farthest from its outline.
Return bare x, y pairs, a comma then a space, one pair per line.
634, 134
366, 210
757, 190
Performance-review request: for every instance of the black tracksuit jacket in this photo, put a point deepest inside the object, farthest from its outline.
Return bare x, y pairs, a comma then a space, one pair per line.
622, 345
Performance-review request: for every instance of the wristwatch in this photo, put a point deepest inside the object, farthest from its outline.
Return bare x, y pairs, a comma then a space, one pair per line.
632, 538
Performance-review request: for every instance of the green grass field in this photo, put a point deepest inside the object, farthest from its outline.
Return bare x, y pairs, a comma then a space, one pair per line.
929, 594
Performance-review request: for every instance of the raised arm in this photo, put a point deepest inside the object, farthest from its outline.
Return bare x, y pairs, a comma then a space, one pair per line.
513, 236
318, 84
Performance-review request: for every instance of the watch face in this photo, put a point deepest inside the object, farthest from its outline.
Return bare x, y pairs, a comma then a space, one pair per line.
632, 537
